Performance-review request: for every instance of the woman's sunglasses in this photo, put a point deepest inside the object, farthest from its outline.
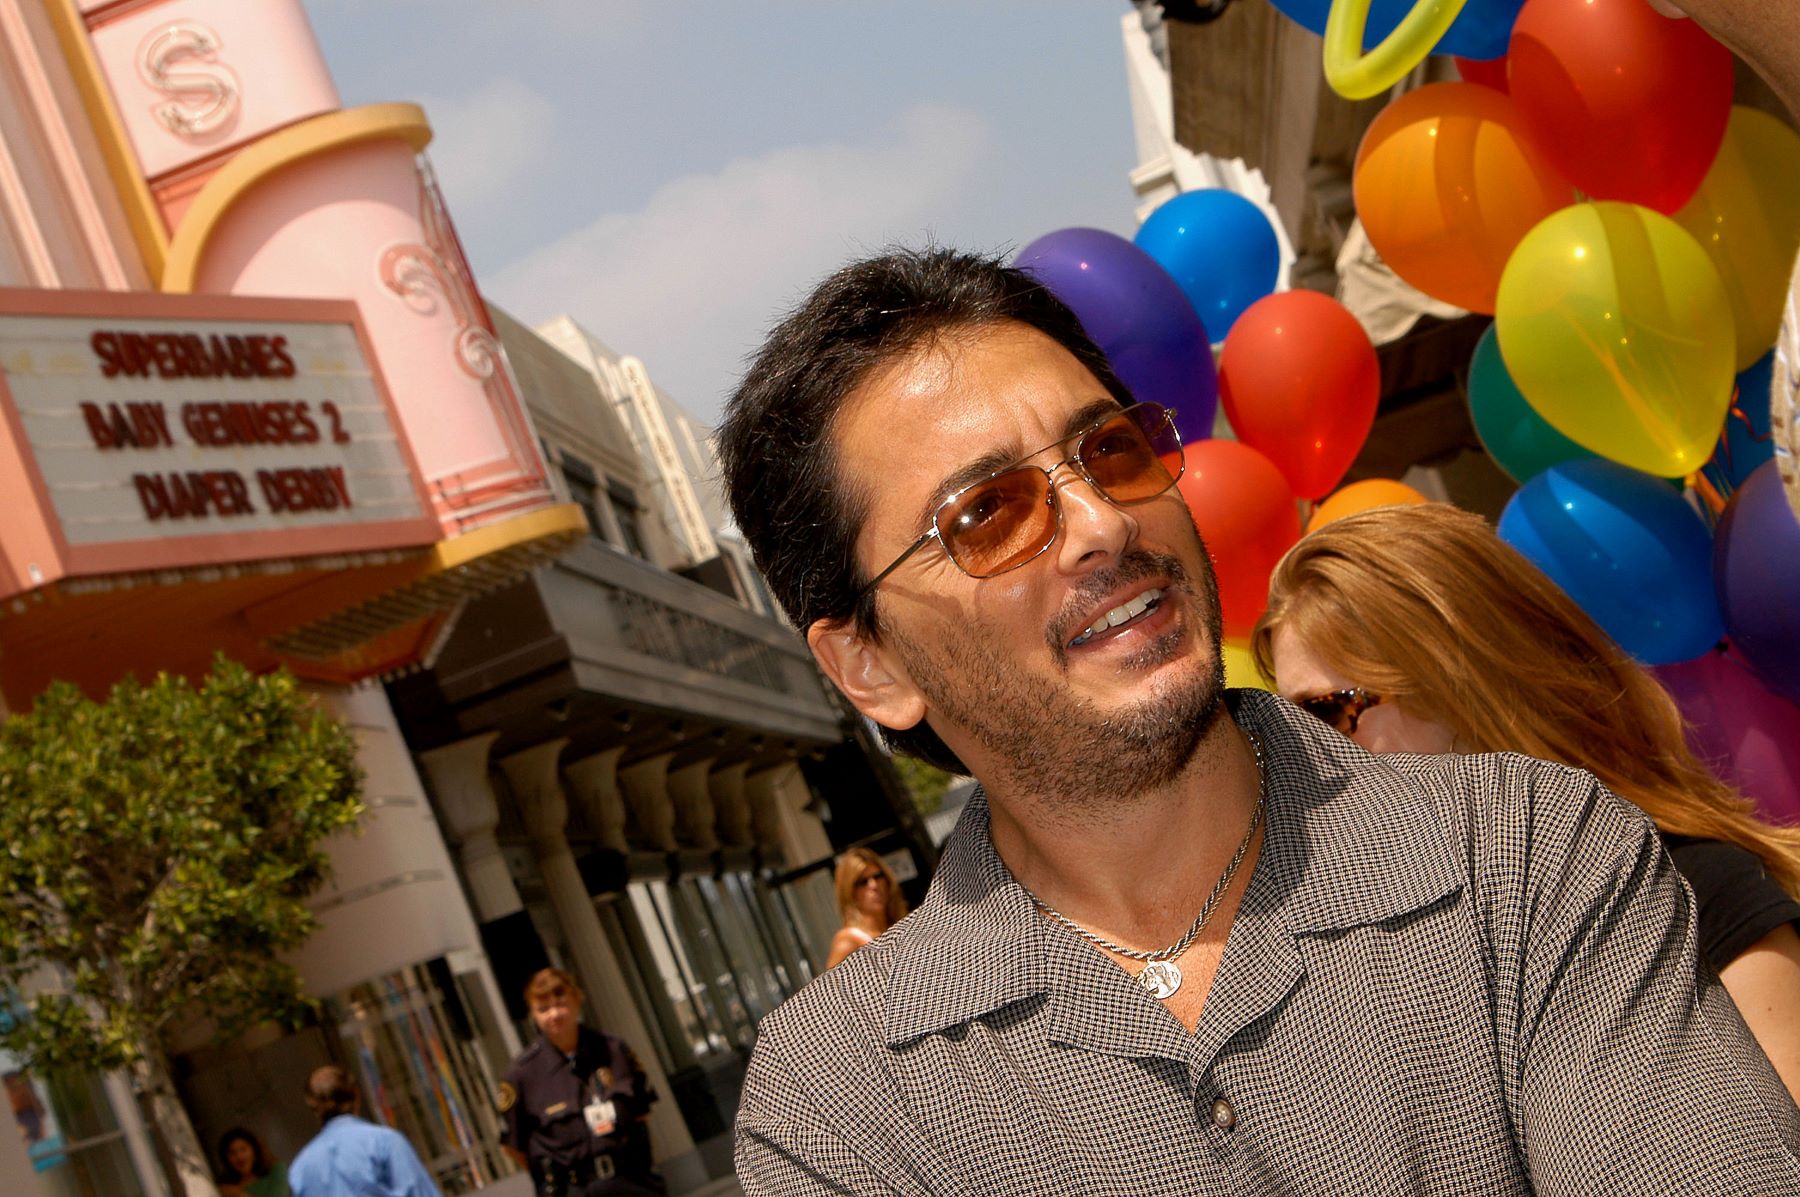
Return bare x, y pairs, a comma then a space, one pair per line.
1006, 519
1340, 708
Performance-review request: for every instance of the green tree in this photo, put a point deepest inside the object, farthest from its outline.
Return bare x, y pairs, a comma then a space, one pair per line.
159, 850
927, 783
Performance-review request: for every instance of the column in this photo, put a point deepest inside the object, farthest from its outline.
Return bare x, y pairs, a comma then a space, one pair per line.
594, 783
693, 804
646, 786
393, 898
536, 784
778, 798
470, 812
736, 825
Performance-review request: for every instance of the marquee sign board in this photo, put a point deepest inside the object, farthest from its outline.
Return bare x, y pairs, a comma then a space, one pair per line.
155, 432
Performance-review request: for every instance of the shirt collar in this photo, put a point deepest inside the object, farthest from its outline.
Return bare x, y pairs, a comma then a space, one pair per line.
1349, 840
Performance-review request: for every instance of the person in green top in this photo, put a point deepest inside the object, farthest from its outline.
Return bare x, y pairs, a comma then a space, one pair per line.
246, 1167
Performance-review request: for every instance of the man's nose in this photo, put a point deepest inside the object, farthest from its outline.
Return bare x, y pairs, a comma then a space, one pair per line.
1094, 529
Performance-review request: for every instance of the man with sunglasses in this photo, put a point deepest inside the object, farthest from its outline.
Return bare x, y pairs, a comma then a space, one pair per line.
1183, 940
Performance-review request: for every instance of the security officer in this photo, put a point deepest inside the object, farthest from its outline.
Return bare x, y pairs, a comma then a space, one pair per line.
573, 1104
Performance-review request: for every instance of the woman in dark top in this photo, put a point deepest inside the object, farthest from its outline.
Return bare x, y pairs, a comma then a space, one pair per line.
1417, 629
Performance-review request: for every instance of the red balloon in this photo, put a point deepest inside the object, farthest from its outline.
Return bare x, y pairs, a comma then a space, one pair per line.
1246, 513
1489, 72
1300, 381
1629, 105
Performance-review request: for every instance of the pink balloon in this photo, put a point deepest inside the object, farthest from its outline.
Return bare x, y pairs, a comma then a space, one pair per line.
1749, 736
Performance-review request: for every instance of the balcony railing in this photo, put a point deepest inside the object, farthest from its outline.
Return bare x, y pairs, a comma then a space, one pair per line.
642, 633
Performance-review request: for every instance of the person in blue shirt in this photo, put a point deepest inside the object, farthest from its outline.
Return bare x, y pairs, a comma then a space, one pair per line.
350, 1156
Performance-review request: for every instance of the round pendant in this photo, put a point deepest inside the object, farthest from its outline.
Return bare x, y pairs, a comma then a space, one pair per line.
1160, 979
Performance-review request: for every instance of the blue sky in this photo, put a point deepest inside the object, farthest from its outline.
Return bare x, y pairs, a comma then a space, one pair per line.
675, 174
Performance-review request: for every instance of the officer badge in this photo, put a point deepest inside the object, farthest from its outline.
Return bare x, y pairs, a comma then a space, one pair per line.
508, 1096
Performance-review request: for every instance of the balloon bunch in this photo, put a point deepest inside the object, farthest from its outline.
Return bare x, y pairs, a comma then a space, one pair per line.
1297, 374
1591, 186
1588, 184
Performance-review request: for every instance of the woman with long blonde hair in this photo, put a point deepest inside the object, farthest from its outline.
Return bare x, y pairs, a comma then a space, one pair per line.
1417, 629
869, 901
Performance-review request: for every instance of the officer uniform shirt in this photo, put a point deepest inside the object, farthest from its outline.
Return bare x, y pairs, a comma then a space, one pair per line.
544, 1091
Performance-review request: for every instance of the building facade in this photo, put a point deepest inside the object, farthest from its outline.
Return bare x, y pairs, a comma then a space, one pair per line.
639, 766
253, 404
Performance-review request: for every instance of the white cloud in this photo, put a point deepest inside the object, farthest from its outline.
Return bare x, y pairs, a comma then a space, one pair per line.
690, 282
485, 143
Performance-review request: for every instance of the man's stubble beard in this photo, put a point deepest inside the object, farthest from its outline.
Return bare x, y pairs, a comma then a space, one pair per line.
1052, 744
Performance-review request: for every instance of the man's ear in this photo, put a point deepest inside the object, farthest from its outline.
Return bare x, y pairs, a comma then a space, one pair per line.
875, 683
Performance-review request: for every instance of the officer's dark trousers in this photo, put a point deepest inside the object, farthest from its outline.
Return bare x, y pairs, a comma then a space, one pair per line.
615, 1186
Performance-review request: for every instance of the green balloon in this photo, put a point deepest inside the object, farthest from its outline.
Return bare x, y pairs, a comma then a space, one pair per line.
1520, 441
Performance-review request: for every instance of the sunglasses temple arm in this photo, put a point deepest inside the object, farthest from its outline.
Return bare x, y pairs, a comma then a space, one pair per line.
898, 561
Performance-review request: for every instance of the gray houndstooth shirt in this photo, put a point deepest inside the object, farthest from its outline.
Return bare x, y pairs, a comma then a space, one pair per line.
1448, 975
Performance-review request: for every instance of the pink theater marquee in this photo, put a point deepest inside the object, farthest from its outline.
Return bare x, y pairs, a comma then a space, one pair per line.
147, 432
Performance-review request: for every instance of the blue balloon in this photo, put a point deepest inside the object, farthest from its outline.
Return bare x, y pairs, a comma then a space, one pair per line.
1221, 249
1746, 442
1627, 549
1481, 30
1137, 315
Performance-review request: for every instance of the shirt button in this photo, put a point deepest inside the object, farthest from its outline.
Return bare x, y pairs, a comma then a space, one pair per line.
1224, 1117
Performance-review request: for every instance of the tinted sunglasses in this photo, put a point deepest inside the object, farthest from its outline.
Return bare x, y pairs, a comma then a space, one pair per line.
1340, 708
1007, 518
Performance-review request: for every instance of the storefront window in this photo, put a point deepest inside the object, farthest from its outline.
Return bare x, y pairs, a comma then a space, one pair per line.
412, 1039
696, 1002
71, 1135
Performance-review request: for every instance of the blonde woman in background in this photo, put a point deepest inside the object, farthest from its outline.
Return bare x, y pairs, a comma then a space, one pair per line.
869, 901
1417, 629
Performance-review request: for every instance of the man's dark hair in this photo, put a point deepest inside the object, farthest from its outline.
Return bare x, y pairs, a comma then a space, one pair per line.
800, 515
330, 1092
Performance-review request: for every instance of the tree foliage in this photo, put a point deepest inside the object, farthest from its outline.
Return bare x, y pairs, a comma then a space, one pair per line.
158, 851
926, 783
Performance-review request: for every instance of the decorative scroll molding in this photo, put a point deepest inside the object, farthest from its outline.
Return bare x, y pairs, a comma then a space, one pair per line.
421, 274
180, 60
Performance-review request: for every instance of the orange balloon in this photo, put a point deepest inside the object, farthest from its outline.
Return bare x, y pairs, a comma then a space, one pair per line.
1360, 496
1447, 183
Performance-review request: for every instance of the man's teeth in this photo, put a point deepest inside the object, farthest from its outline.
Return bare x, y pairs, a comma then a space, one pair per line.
1119, 614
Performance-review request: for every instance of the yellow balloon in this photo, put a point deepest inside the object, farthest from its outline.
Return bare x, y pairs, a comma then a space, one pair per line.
1615, 325
1240, 667
1357, 76
1746, 217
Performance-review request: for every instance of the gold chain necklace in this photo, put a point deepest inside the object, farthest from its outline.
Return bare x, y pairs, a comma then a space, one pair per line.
1162, 976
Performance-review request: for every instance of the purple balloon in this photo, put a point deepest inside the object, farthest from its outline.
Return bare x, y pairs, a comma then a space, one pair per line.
1138, 316
1749, 737
1756, 571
